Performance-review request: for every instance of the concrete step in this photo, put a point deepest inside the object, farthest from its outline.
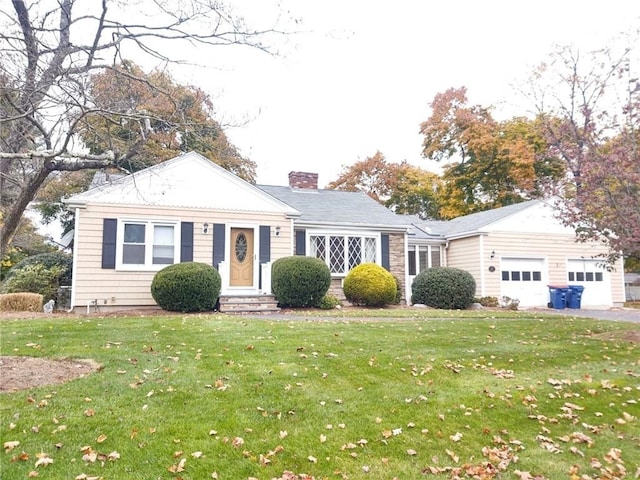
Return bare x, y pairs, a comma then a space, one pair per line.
248, 304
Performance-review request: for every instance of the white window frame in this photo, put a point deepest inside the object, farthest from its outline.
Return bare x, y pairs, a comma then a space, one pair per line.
428, 252
148, 264
346, 235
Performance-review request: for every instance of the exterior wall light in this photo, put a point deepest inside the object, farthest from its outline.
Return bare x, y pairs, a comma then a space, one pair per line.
205, 228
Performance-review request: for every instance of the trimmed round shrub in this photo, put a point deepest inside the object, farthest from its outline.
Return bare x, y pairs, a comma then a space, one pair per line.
444, 287
299, 281
186, 287
370, 285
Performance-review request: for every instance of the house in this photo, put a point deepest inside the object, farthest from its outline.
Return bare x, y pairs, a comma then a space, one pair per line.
190, 209
519, 250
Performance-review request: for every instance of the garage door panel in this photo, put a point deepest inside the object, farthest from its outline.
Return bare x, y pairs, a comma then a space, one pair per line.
594, 277
524, 279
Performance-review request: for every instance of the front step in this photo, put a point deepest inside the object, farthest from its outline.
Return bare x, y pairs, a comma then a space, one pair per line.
248, 304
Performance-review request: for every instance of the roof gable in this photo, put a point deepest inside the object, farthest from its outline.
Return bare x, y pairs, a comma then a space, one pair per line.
534, 216
186, 181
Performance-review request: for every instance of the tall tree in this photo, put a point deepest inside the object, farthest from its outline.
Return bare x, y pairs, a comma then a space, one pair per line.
489, 163
401, 187
178, 119
373, 175
49, 51
589, 106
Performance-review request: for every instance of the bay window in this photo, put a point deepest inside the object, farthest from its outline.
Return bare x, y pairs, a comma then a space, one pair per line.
343, 252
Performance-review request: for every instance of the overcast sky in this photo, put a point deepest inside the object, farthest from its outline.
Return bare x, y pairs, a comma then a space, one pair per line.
361, 74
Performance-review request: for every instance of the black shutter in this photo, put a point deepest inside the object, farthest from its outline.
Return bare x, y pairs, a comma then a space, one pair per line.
109, 232
384, 247
218, 244
186, 242
265, 250
301, 244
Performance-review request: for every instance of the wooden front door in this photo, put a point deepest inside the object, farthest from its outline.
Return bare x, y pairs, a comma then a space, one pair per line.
241, 274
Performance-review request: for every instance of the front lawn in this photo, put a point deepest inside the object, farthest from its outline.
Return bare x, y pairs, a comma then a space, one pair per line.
378, 394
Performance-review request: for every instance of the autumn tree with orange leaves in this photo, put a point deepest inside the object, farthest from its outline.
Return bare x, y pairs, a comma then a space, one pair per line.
404, 188
487, 163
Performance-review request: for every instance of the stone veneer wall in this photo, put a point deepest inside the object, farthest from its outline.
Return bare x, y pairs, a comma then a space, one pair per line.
397, 264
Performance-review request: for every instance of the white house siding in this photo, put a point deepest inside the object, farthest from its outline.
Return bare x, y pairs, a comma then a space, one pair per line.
114, 289
465, 254
554, 250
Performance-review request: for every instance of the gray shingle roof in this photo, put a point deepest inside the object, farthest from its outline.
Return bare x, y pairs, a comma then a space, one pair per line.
335, 207
475, 221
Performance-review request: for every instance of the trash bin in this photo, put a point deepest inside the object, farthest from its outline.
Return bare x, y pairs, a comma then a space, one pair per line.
558, 296
575, 297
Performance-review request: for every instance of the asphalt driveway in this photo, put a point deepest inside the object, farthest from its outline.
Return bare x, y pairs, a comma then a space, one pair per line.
617, 314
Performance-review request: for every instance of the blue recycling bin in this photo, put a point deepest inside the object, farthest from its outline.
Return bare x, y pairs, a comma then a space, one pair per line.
558, 296
574, 299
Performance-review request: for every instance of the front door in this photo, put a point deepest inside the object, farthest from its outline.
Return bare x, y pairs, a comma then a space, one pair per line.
241, 257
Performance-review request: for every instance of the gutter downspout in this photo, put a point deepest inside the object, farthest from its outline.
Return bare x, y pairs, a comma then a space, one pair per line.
75, 260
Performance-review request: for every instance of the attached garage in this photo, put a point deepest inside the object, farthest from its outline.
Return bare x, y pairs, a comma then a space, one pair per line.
594, 277
524, 279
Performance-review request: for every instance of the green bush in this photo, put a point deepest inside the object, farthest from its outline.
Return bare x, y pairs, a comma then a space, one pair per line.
187, 287
34, 278
398, 299
370, 285
444, 287
329, 302
299, 281
43, 273
487, 301
47, 260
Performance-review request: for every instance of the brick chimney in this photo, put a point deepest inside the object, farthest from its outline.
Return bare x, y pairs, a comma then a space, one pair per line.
304, 180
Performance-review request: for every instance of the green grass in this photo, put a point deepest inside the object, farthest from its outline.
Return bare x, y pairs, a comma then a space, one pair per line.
375, 394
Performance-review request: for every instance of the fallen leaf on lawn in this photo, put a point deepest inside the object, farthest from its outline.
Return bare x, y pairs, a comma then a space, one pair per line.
312, 459
412, 452
237, 442
43, 460
32, 474
576, 451
323, 438
196, 454
113, 456
283, 434
23, 457
457, 437
453, 456
90, 457
179, 467
101, 438
8, 446
89, 412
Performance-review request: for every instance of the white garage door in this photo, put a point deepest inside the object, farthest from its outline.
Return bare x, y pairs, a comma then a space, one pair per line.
524, 279
594, 277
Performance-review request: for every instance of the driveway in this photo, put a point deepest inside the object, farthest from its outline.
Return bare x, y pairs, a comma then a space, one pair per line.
617, 314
